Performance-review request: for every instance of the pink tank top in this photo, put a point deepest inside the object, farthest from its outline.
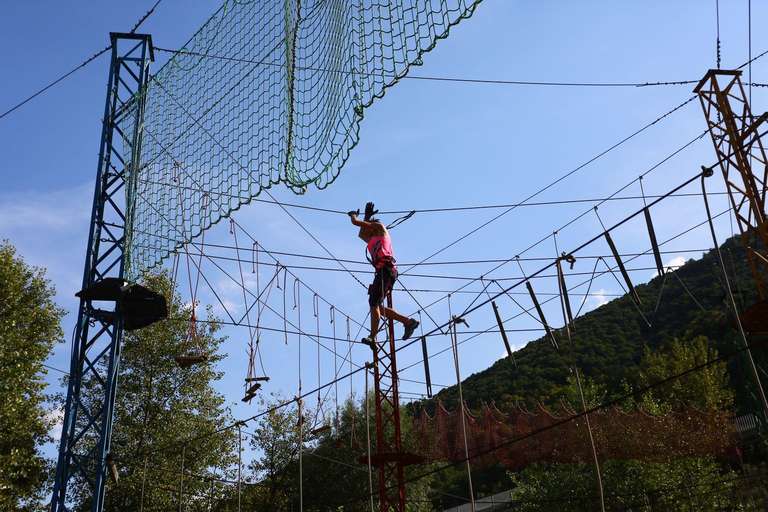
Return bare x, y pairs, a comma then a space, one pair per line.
380, 248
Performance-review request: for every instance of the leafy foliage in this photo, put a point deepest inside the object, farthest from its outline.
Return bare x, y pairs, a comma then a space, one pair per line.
631, 484
29, 327
705, 389
610, 341
617, 353
162, 411
333, 474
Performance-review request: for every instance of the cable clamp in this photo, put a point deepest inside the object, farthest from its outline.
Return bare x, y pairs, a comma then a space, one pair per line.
569, 258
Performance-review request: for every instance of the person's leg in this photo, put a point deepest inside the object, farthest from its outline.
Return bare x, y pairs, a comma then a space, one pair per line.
394, 315
375, 319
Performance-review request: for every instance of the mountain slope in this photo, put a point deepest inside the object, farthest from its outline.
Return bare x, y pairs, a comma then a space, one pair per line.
610, 340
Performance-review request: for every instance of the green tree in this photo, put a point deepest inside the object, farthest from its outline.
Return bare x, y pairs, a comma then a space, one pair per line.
164, 412
333, 476
684, 484
29, 327
705, 389
274, 474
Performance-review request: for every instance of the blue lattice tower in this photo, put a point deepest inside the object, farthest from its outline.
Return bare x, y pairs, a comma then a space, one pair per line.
85, 438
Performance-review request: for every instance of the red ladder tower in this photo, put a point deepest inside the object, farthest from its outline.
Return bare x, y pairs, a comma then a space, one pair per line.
389, 459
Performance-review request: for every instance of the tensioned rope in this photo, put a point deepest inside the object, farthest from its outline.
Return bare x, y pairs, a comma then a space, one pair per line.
553, 297
482, 304
85, 63
434, 263
433, 210
447, 79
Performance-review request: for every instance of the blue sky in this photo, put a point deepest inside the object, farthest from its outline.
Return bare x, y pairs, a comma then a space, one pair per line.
425, 145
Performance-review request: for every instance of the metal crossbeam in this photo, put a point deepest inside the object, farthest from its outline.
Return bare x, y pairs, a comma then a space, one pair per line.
85, 437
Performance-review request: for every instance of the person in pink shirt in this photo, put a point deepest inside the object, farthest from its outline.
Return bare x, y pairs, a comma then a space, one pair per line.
373, 232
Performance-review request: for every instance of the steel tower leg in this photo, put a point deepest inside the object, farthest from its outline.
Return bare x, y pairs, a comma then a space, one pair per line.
736, 135
742, 160
85, 437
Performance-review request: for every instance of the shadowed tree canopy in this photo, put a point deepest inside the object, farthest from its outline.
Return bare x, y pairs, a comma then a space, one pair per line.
162, 410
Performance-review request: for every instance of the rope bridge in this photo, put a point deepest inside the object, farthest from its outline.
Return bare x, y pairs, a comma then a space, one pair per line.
267, 92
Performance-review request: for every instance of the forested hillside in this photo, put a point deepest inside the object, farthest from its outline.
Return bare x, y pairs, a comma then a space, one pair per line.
609, 341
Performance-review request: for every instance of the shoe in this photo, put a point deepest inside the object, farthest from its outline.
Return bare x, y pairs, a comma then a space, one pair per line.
410, 326
370, 342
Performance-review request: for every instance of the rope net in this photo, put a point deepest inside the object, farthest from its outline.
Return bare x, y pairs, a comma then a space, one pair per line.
685, 432
267, 92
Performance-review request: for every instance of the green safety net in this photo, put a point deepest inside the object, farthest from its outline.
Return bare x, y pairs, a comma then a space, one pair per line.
267, 92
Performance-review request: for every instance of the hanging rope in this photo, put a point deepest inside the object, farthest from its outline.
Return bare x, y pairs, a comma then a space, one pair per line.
239, 461
368, 438
455, 345
336, 422
192, 352
568, 320
297, 304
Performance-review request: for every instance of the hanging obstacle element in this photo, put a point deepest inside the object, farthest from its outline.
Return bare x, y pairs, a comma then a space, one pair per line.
319, 413
250, 393
654, 243
550, 335
426, 366
193, 351
563, 288
503, 335
632, 293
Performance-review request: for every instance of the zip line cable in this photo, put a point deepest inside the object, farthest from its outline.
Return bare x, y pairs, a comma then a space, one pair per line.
85, 63
41, 91
147, 15
424, 210
434, 78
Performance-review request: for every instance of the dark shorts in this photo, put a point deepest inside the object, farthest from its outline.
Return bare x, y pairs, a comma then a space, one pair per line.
382, 285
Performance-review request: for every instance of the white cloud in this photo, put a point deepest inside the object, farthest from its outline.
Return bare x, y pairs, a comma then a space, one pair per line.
62, 210
598, 298
56, 415
675, 263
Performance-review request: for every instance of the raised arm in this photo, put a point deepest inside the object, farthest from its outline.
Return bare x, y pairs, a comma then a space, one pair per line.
374, 228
